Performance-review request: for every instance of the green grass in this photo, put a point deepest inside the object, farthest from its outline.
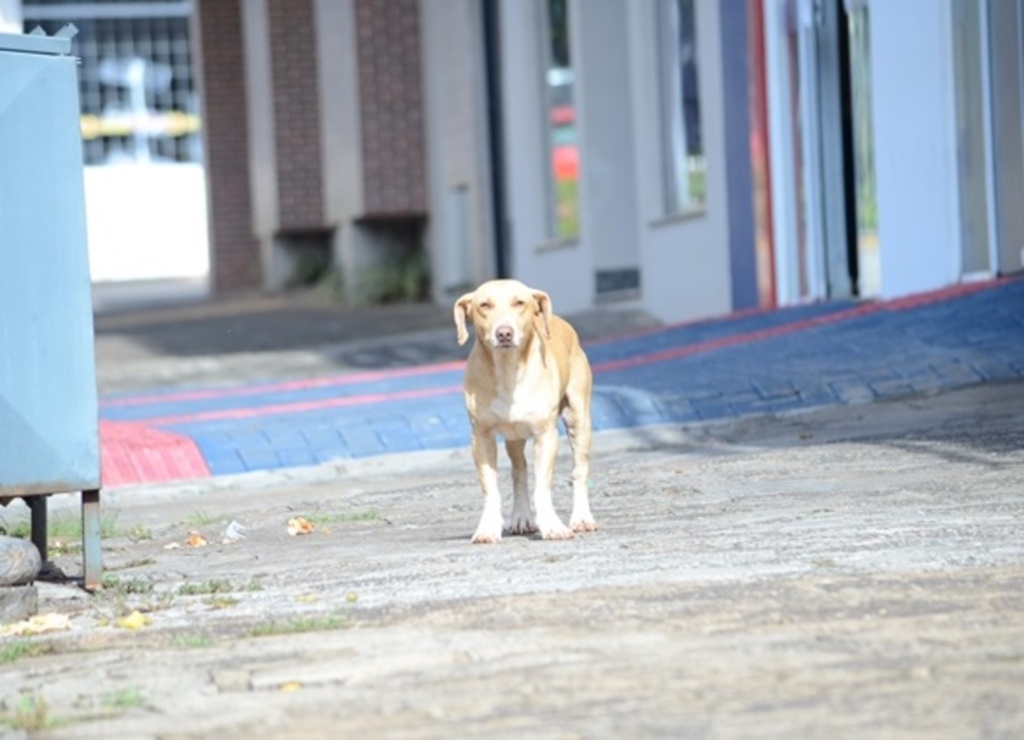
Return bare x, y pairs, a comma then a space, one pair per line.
139, 532
200, 518
68, 527
220, 602
404, 279
137, 563
31, 714
13, 651
299, 625
123, 586
368, 515
124, 699
205, 588
193, 640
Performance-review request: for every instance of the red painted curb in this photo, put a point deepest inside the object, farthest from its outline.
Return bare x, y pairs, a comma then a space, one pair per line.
131, 452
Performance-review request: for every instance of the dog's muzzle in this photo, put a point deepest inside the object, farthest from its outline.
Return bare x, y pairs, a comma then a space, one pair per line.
504, 335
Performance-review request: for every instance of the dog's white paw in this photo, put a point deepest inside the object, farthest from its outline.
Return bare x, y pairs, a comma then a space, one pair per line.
561, 533
486, 538
555, 530
522, 525
583, 524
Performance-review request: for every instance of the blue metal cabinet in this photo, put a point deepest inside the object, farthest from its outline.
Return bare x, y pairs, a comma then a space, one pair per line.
49, 436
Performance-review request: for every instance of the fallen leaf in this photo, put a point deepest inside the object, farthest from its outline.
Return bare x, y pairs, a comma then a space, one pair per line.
306, 598
195, 539
135, 620
37, 625
172, 545
291, 686
298, 525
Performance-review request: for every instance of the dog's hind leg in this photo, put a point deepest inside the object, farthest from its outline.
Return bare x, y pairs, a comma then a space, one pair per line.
521, 521
545, 449
576, 416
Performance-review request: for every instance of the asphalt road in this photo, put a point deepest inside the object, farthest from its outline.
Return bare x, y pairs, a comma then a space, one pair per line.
848, 572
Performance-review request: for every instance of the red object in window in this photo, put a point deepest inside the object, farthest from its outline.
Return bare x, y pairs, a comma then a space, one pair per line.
565, 156
565, 162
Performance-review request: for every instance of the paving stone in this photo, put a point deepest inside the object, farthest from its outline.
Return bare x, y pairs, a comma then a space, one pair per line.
19, 561
762, 362
18, 603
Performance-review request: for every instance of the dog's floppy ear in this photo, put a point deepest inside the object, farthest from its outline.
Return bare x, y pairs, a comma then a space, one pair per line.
460, 311
544, 309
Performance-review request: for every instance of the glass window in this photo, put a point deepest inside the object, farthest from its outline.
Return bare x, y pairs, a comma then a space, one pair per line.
560, 121
682, 142
136, 77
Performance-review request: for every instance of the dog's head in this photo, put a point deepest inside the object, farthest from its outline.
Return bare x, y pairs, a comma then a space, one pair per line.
503, 313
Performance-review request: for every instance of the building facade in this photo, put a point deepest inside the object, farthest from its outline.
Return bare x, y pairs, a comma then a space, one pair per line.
687, 157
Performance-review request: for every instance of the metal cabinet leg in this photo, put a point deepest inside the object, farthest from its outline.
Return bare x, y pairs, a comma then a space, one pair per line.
92, 563
37, 505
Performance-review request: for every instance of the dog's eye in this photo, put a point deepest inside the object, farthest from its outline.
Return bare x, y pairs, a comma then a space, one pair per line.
486, 306
518, 303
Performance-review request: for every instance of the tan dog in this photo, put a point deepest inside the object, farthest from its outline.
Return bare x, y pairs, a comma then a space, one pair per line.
525, 370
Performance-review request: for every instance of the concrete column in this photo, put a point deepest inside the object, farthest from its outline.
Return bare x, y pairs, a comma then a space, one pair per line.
913, 82
10, 16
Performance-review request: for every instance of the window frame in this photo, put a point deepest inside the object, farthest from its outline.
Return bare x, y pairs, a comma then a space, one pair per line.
684, 166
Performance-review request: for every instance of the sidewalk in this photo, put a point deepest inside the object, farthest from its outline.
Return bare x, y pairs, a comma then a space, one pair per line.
840, 572
389, 380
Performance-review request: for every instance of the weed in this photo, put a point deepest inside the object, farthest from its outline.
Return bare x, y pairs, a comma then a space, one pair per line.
30, 714
299, 625
253, 585
13, 651
138, 533
368, 515
200, 518
112, 582
124, 699
64, 527
20, 529
220, 602
192, 640
64, 547
206, 587
137, 563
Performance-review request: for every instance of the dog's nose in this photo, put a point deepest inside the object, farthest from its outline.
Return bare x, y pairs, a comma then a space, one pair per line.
504, 334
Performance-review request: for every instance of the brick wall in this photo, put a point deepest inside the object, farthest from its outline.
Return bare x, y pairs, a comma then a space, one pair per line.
391, 103
234, 258
296, 114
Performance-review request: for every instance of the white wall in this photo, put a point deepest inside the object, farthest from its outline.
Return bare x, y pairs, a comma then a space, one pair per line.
684, 261
10, 16
458, 175
605, 125
565, 270
912, 80
146, 222
260, 117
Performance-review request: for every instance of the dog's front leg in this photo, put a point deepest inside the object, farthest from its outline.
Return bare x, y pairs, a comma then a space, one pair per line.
545, 449
485, 455
521, 521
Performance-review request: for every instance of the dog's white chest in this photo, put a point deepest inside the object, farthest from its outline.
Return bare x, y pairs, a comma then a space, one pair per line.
517, 416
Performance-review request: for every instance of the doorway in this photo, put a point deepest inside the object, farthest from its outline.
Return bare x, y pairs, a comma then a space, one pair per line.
817, 59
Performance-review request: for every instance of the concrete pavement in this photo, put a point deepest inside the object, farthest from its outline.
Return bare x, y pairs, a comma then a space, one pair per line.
850, 569
395, 387
840, 572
